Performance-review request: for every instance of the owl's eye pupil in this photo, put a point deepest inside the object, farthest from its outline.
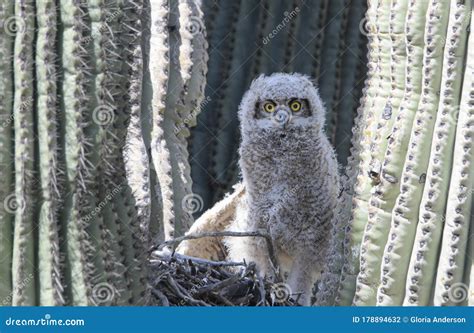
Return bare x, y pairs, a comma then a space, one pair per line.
269, 107
295, 106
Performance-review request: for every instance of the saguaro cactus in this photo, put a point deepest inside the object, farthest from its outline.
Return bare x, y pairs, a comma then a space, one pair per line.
51, 277
7, 197
414, 247
80, 143
23, 266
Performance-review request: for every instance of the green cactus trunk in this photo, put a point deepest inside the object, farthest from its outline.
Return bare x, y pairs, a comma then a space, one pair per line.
415, 246
79, 267
24, 261
51, 273
6, 151
358, 166
412, 180
76, 184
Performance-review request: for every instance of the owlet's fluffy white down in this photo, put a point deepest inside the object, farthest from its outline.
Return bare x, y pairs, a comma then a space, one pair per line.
290, 185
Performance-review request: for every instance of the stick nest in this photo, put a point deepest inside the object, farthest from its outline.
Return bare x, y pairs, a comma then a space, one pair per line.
182, 281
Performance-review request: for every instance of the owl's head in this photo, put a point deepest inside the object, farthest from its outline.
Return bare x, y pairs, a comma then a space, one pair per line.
282, 101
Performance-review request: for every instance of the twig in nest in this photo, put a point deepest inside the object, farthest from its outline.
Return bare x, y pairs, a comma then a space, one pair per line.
222, 299
218, 285
182, 257
174, 285
261, 288
163, 299
271, 251
185, 282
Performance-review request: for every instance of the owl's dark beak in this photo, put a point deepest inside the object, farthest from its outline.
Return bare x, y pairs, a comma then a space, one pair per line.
282, 117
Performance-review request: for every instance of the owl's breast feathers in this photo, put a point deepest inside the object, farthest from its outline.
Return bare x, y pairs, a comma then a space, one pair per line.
292, 183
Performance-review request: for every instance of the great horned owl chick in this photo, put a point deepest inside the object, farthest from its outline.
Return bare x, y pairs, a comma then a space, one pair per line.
291, 180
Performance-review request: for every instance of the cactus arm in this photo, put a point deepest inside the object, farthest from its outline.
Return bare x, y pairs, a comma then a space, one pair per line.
135, 155
50, 274
306, 32
202, 143
118, 213
156, 232
74, 103
23, 267
316, 44
385, 193
344, 107
175, 184
469, 263
358, 167
455, 235
330, 76
192, 68
226, 144
136, 162
6, 151
376, 232
406, 208
345, 100
193, 97
280, 45
274, 17
290, 43
159, 68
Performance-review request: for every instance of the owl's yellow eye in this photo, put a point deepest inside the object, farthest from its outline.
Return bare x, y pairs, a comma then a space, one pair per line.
269, 107
295, 106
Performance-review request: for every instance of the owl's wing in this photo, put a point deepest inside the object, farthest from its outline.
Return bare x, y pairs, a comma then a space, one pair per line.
215, 219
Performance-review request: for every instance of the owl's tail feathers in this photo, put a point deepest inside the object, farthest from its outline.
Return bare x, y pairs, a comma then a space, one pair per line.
216, 219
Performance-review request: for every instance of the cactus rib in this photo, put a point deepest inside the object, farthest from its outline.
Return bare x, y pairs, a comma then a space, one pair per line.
23, 267
6, 152
406, 209
50, 274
